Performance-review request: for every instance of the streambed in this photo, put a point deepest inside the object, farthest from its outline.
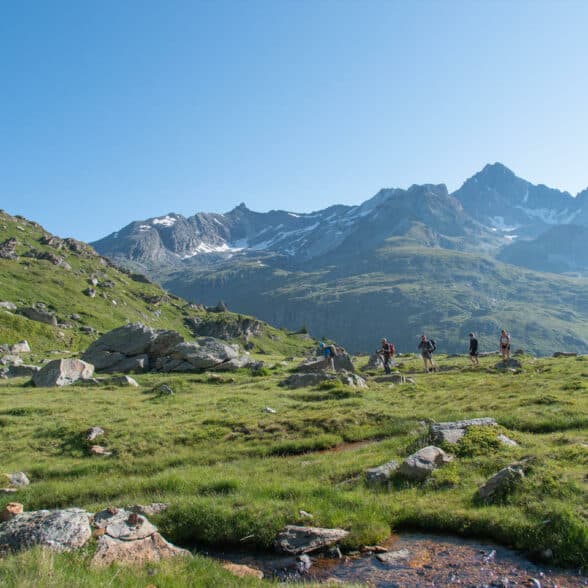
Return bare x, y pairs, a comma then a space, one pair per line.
415, 560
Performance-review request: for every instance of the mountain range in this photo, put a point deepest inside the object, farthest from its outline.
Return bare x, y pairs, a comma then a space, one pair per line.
402, 262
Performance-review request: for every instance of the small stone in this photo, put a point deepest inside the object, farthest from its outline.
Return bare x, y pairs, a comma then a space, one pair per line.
99, 450
21, 347
124, 381
270, 410
381, 474
94, 432
165, 390
394, 557
304, 514
10, 511
242, 571
507, 441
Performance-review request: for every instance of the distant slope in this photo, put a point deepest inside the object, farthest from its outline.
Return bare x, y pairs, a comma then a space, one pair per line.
561, 249
37, 268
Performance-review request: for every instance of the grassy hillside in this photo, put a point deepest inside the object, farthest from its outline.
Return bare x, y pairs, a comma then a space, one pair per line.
120, 297
231, 470
400, 292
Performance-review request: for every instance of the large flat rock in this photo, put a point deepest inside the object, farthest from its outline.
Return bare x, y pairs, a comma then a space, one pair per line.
59, 530
297, 540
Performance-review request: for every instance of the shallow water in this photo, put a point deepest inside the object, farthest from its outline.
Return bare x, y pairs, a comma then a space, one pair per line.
417, 560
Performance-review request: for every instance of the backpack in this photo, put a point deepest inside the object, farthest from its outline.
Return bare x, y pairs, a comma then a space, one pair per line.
391, 349
432, 345
332, 350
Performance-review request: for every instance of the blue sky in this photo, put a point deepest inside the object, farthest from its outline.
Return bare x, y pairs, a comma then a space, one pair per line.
121, 110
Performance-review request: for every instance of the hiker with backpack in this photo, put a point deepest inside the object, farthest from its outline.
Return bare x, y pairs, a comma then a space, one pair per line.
386, 352
474, 349
427, 347
504, 346
329, 352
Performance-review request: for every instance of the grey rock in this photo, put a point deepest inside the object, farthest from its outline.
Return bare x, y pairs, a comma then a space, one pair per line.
62, 372
381, 474
164, 343
502, 482
398, 557
352, 380
205, 353
11, 360
308, 379
342, 362
40, 316
6, 305
297, 540
452, 432
149, 510
165, 390
131, 339
75, 317
507, 441
87, 330
21, 347
565, 354
18, 479
420, 465
124, 381
124, 525
58, 530
8, 249
90, 292
93, 433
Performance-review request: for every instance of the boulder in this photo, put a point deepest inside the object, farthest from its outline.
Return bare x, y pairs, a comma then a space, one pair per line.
420, 465
204, 353
90, 292
58, 530
381, 474
507, 441
62, 372
353, 380
136, 553
128, 340
18, 479
39, 315
129, 538
503, 482
452, 432
21, 347
309, 379
296, 540
565, 354
6, 305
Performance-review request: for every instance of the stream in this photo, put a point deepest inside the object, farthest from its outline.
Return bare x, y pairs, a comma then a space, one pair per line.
413, 560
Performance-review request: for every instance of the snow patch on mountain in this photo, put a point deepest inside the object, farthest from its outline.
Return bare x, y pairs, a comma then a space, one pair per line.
166, 221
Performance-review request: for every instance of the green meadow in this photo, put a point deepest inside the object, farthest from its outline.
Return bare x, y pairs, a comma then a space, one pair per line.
233, 471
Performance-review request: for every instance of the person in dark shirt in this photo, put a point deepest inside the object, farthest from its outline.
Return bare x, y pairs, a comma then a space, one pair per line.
474, 349
427, 347
386, 352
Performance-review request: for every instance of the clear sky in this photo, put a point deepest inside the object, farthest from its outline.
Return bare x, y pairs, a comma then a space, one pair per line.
120, 110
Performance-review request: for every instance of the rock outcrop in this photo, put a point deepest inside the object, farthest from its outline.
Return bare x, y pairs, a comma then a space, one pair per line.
63, 372
137, 348
503, 482
39, 315
314, 378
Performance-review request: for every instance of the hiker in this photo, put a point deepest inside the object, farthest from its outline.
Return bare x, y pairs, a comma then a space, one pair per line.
473, 349
427, 347
504, 345
329, 353
386, 352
